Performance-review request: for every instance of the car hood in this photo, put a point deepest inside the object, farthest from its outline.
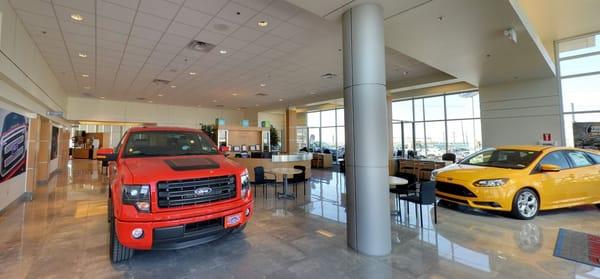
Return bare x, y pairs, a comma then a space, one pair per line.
153, 169
470, 173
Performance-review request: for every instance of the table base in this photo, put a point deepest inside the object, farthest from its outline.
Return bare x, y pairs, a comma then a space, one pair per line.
287, 196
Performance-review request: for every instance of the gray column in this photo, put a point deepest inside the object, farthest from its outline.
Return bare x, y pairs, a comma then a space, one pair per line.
365, 105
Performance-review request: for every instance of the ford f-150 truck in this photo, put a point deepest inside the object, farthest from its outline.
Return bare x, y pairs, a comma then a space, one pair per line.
170, 188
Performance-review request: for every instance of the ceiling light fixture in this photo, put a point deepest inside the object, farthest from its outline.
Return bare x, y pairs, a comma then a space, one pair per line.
76, 17
173, 86
405, 73
87, 87
263, 85
192, 73
101, 97
281, 100
263, 23
82, 55
234, 94
84, 75
160, 95
214, 101
223, 51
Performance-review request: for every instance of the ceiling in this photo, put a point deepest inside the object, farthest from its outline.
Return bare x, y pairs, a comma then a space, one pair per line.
129, 43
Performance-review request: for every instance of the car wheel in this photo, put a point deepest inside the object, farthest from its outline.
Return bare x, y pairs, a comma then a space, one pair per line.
525, 204
117, 251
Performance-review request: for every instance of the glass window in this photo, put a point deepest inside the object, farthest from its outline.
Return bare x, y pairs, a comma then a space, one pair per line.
580, 65
146, 144
434, 108
397, 136
578, 158
328, 118
556, 158
595, 157
313, 119
502, 158
420, 138
408, 136
402, 110
418, 105
328, 138
579, 46
461, 106
340, 117
436, 139
581, 93
301, 138
462, 140
341, 137
314, 139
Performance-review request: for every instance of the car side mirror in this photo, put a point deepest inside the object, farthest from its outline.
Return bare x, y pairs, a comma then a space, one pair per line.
549, 168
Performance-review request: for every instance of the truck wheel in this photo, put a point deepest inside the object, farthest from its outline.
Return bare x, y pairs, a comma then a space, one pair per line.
117, 251
525, 204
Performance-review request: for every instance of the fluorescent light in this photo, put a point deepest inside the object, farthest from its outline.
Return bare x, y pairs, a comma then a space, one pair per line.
173, 86
85, 75
160, 95
192, 73
223, 51
87, 87
82, 55
101, 97
234, 94
263, 23
76, 17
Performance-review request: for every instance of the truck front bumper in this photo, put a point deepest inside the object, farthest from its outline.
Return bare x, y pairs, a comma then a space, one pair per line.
182, 233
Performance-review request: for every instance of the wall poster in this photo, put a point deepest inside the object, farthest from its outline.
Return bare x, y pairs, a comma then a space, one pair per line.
587, 135
13, 144
54, 143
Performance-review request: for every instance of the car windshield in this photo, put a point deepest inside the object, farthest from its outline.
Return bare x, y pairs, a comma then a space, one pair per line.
168, 143
502, 158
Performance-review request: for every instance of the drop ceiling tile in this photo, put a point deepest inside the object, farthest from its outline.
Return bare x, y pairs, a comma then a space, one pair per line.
208, 6
221, 26
289, 46
183, 30
132, 4
159, 8
192, 17
255, 49
281, 9
80, 29
236, 13
254, 4
190, 53
246, 34
210, 37
116, 12
36, 7
38, 20
286, 30
167, 48
177, 41
231, 43
151, 21
145, 33
112, 25
80, 5
268, 40
139, 42
309, 20
104, 35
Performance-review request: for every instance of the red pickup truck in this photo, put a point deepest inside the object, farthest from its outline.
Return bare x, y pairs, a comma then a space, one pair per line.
170, 188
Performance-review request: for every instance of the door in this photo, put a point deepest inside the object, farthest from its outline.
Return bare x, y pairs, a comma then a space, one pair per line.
586, 176
556, 187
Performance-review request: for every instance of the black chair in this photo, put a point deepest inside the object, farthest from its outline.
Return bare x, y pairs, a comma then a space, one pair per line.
404, 190
449, 157
259, 179
299, 178
424, 196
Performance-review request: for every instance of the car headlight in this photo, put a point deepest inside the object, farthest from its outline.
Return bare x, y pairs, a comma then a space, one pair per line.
434, 175
245, 184
491, 182
138, 196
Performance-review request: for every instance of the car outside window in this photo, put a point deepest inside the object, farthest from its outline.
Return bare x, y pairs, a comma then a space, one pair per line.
595, 157
556, 158
502, 158
579, 159
171, 143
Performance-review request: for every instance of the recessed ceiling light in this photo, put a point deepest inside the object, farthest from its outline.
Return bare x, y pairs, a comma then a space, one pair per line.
160, 95
263, 23
76, 17
192, 73
405, 73
263, 85
281, 100
313, 93
234, 94
150, 101
101, 97
85, 75
257, 105
223, 51
173, 86
214, 101
82, 55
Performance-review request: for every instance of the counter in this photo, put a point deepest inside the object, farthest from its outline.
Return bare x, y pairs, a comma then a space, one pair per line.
277, 161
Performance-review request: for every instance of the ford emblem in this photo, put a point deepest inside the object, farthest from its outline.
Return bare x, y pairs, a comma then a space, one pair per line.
202, 191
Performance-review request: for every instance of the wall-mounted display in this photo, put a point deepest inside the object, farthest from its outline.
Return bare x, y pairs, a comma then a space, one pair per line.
13, 144
587, 135
54, 144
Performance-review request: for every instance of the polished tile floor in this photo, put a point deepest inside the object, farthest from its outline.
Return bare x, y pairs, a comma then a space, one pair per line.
62, 233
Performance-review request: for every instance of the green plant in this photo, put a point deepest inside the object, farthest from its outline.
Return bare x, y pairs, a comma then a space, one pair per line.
210, 131
274, 136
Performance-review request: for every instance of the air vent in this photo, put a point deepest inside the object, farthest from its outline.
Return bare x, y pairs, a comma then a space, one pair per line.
161, 81
200, 46
261, 94
328, 76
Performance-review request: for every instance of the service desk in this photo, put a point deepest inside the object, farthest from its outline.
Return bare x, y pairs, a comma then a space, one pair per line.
277, 161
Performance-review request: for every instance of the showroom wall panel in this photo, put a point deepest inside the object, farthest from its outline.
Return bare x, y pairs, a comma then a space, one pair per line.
105, 110
520, 112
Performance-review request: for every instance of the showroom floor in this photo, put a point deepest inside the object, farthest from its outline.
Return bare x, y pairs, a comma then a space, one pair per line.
63, 234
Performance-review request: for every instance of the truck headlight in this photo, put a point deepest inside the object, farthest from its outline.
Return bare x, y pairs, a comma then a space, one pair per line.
491, 182
138, 196
245, 184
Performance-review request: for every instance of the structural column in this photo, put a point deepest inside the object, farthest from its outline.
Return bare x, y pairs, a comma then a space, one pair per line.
366, 121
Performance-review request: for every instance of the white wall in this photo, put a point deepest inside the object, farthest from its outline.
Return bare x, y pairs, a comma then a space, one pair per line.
276, 119
11, 189
520, 112
165, 115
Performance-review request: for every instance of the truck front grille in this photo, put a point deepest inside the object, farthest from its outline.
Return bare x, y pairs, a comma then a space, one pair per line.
195, 191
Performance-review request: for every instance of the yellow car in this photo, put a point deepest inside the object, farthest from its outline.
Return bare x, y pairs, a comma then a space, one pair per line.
522, 179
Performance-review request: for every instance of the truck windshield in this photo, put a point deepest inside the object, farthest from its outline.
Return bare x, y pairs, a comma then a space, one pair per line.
501, 158
168, 143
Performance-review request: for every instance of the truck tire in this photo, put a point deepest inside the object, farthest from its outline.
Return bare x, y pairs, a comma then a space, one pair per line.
117, 251
526, 204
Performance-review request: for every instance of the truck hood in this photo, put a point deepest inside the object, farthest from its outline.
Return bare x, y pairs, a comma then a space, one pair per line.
470, 173
150, 170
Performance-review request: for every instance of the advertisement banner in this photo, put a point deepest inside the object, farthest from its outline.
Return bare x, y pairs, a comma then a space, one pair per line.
13, 144
587, 135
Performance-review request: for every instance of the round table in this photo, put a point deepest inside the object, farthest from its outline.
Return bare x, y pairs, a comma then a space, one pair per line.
396, 181
285, 172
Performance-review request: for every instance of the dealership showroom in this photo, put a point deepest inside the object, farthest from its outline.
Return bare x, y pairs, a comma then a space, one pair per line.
300, 139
